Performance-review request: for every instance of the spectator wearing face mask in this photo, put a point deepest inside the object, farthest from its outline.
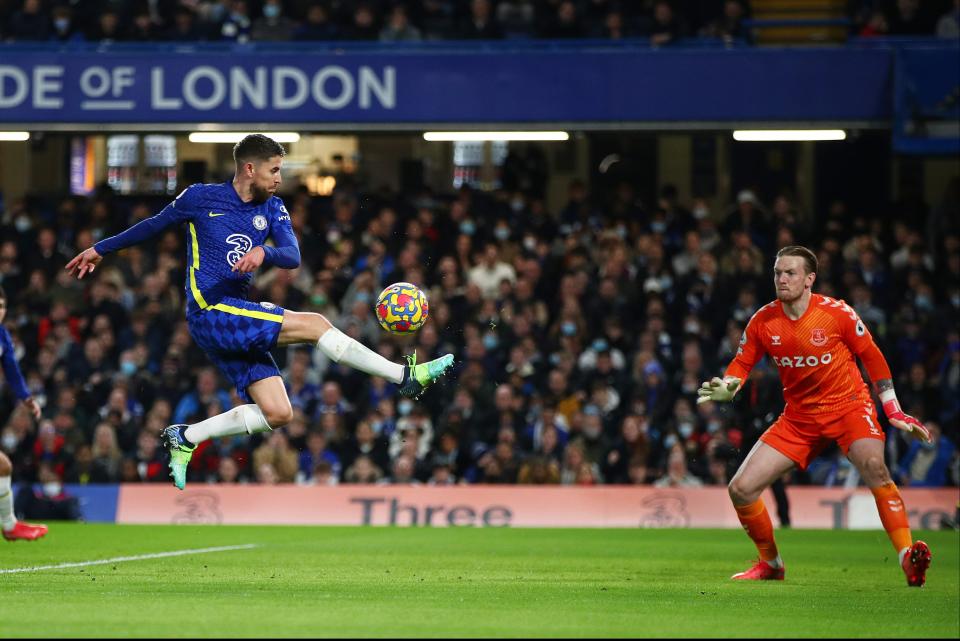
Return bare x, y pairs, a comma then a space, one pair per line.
592, 441
272, 25
48, 499
64, 27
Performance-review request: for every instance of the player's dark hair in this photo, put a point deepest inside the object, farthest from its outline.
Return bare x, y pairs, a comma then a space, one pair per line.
809, 258
257, 147
3, 294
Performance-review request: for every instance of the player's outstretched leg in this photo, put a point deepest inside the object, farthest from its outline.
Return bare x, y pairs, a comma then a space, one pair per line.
413, 378
180, 451
416, 378
915, 563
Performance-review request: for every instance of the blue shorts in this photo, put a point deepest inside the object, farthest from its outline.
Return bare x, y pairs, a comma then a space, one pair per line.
237, 335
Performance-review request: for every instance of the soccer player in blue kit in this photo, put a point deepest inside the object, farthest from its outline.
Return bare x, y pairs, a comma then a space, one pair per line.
13, 529
228, 225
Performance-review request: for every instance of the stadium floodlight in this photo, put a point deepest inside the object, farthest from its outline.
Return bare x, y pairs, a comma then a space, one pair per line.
484, 136
14, 136
237, 136
778, 135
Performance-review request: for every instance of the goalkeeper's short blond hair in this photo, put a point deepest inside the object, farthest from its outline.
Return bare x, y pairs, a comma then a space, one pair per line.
809, 258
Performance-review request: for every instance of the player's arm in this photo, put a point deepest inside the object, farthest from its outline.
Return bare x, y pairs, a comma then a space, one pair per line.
14, 377
749, 353
861, 343
882, 379
284, 254
176, 212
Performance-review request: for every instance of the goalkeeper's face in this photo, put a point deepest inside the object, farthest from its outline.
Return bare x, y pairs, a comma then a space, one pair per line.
266, 179
791, 278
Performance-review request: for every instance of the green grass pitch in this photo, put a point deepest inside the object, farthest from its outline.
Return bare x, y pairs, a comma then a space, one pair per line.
469, 582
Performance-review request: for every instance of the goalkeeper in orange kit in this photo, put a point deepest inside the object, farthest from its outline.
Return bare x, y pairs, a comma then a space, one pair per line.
814, 341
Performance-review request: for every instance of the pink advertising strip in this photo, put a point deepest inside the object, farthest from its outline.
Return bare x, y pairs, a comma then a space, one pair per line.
515, 506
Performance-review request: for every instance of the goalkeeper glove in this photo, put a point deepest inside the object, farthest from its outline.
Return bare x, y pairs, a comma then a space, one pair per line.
718, 389
900, 420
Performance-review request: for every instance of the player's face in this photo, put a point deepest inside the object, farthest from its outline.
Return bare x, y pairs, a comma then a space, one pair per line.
3, 309
790, 278
266, 179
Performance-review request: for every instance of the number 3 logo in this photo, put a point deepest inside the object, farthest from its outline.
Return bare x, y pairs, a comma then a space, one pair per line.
241, 245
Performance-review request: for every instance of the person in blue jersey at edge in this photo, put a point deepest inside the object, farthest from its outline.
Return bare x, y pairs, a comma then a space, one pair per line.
13, 529
227, 226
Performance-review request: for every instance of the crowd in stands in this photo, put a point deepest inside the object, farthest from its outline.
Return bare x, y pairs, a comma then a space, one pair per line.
661, 22
580, 335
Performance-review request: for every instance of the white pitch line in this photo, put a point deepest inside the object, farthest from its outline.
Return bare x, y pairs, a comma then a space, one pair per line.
138, 557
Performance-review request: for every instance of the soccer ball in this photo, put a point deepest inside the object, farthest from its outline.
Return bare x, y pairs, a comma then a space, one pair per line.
402, 308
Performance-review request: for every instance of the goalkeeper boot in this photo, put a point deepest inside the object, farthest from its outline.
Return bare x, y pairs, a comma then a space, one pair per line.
761, 571
24, 532
915, 564
180, 450
416, 378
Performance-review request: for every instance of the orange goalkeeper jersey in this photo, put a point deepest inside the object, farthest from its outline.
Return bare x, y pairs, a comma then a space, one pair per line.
814, 354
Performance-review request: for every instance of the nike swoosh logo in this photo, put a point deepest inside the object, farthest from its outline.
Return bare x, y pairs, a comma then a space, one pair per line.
213, 215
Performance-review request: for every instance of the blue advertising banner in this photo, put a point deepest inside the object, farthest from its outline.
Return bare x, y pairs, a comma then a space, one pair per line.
381, 86
927, 99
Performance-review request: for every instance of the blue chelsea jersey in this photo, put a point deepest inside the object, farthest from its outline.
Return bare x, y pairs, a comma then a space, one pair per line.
220, 229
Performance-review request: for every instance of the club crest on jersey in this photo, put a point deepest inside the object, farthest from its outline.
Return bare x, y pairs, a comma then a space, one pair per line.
268, 305
775, 340
259, 222
819, 337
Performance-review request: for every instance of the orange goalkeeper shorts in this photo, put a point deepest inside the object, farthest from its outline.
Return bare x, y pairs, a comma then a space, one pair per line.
801, 439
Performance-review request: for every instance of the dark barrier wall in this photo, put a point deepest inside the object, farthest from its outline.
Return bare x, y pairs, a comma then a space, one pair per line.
495, 85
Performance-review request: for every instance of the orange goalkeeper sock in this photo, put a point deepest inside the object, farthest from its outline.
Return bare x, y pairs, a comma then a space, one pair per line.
756, 521
893, 515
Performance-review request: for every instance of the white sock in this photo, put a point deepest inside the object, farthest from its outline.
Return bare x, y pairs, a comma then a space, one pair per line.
242, 419
7, 519
776, 563
903, 553
341, 348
